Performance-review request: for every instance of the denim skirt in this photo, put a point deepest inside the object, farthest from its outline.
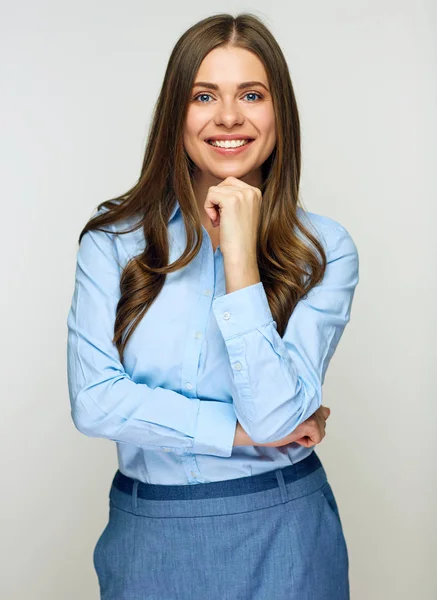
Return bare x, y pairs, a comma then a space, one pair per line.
273, 536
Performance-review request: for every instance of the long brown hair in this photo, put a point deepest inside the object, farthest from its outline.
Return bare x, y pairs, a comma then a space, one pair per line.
288, 267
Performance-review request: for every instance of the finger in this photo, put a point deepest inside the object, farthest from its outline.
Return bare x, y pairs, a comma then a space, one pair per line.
315, 437
326, 412
216, 201
214, 216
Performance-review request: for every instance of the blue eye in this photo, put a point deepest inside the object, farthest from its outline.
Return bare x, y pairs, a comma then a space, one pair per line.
199, 96
205, 94
253, 94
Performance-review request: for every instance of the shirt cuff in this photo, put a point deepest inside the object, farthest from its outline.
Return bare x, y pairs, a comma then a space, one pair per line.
216, 424
242, 310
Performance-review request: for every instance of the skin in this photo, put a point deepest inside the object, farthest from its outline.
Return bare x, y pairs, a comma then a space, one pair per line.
227, 188
228, 110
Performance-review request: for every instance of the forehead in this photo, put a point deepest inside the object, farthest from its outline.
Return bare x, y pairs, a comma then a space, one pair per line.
229, 66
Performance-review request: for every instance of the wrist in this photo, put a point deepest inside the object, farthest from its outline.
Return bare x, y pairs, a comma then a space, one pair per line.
239, 436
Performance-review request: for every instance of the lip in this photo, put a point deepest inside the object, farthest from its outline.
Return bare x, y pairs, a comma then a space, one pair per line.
230, 151
230, 136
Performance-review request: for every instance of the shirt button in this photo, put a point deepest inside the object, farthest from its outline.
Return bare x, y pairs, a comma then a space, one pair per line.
207, 292
226, 315
198, 334
237, 366
189, 385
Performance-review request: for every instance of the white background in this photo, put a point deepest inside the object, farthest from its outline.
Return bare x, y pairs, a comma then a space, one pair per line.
78, 84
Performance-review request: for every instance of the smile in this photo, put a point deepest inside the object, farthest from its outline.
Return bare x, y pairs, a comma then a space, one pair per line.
228, 143
229, 147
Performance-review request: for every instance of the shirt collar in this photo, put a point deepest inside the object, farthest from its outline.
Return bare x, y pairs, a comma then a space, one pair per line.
176, 208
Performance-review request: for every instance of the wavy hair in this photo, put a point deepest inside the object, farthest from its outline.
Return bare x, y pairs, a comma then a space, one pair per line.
288, 267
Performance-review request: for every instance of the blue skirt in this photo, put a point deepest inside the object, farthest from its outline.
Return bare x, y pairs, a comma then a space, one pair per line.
274, 536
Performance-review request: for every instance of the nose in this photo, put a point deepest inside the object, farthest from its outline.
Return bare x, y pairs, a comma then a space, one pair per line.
228, 114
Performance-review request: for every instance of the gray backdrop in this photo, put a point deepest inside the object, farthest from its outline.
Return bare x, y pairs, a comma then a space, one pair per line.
79, 80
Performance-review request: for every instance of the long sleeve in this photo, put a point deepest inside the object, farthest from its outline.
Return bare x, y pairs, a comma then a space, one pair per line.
277, 382
105, 401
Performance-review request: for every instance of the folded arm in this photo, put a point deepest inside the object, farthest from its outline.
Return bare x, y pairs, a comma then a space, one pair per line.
105, 401
277, 382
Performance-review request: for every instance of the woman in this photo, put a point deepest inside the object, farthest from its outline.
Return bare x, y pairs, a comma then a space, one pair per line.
207, 307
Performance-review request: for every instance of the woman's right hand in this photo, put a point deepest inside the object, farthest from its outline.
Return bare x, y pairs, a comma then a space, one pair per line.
308, 434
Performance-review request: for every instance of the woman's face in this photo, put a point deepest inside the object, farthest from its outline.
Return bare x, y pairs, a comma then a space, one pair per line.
227, 110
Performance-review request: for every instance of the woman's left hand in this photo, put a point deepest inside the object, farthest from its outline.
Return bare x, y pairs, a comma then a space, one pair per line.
313, 430
309, 433
235, 206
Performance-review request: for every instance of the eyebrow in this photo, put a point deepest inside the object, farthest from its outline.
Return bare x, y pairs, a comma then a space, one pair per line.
242, 86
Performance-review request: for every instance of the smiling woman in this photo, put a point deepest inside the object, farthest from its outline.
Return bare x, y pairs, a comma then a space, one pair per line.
207, 306
232, 112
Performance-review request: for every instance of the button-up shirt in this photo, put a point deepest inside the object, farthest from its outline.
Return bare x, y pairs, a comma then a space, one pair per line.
201, 359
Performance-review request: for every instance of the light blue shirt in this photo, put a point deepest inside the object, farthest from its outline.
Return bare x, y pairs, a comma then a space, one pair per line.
201, 359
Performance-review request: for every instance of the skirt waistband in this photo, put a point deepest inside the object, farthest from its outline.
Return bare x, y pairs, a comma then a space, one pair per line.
239, 494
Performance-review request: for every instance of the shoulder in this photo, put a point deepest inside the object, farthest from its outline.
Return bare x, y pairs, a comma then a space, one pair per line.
123, 245
333, 235
322, 223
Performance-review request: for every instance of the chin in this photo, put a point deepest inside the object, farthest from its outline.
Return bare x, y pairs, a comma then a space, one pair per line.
237, 173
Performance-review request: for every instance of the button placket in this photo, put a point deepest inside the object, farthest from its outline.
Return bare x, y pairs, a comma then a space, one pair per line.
191, 468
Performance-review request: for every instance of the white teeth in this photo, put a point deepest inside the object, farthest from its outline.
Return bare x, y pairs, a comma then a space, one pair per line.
228, 143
